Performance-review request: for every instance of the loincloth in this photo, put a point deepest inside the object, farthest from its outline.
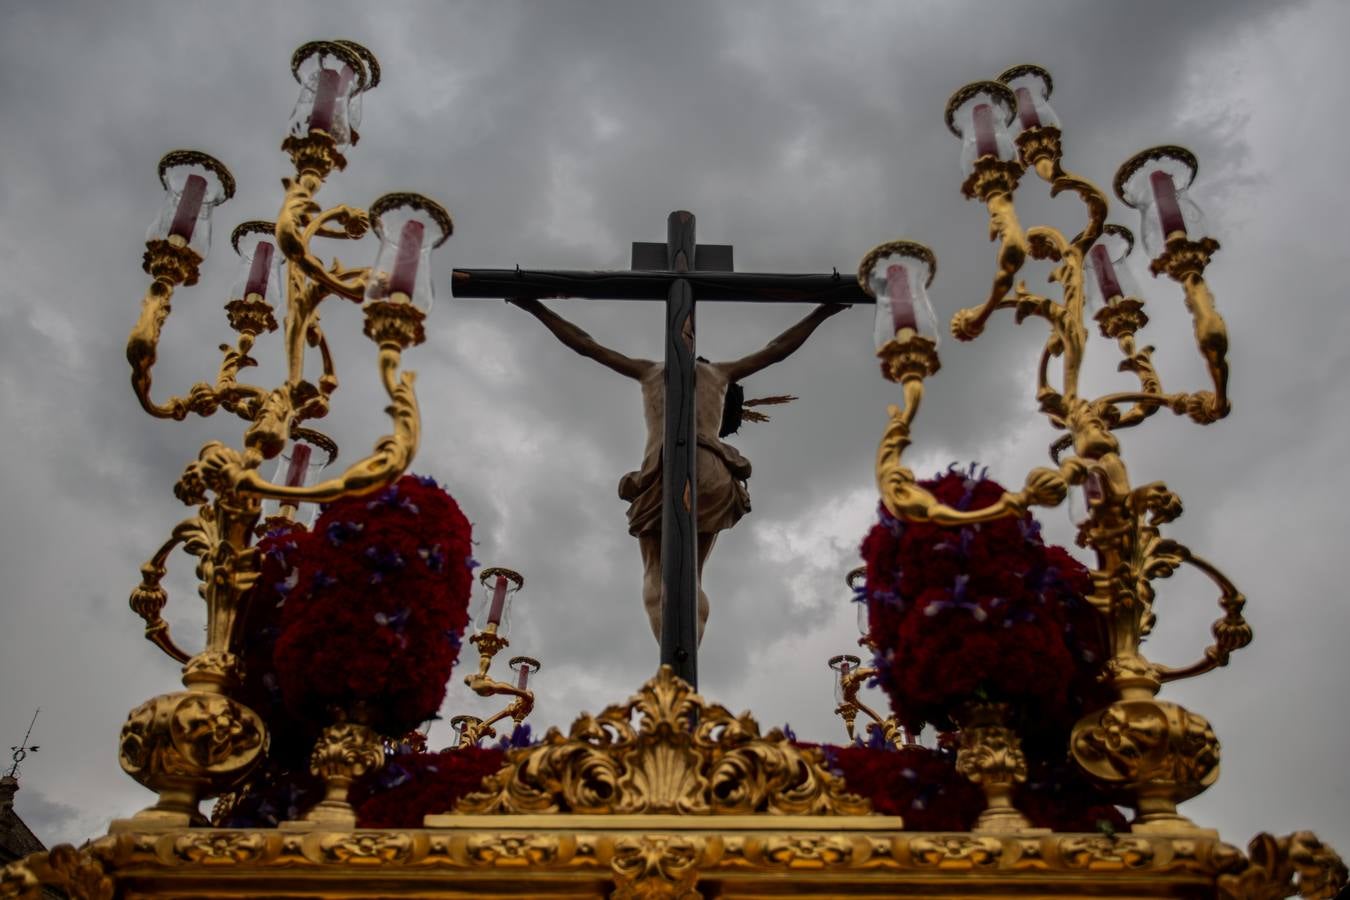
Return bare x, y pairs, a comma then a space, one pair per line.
722, 493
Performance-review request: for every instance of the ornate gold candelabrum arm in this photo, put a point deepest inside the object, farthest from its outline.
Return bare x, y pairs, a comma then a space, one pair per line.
851, 679
489, 644
200, 742
908, 358
851, 676
499, 586
1156, 751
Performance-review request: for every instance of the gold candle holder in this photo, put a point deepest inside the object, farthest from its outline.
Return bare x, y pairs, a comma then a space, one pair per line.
852, 675
1154, 751
195, 744
499, 585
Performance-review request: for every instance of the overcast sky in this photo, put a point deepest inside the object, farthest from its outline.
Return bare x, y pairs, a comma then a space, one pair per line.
556, 134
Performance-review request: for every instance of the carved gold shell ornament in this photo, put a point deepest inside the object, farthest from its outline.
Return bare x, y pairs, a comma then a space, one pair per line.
685, 756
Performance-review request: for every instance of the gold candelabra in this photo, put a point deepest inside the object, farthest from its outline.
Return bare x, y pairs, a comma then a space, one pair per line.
202, 741
490, 637
851, 675
1150, 752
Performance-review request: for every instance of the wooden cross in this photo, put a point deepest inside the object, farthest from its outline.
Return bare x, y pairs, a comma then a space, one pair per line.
679, 272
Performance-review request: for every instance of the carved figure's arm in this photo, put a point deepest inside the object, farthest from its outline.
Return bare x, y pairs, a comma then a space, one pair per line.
581, 342
783, 346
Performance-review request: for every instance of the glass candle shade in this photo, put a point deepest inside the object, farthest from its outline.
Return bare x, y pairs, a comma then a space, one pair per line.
856, 580
330, 74
1156, 182
1031, 86
300, 465
1106, 273
372, 67
523, 666
844, 665
898, 274
461, 723
409, 227
259, 274
979, 114
499, 586
1083, 498
194, 184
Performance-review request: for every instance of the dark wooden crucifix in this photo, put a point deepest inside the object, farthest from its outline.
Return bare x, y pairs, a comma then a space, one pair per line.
679, 272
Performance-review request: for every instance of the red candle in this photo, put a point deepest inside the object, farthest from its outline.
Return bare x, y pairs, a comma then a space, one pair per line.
299, 467
524, 674
985, 142
1169, 210
1106, 274
902, 303
325, 101
1092, 488
404, 276
1026, 109
258, 272
498, 601
189, 207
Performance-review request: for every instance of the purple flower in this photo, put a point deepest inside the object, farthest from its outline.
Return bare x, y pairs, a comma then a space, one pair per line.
433, 557
339, 533
384, 562
391, 498
394, 620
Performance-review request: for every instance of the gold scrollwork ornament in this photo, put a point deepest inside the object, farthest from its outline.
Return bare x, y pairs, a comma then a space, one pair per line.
1297, 863
686, 757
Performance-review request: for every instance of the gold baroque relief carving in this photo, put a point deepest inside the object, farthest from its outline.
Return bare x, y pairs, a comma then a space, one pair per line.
956, 851
220, 847
75, 872
1297, 863
367, 847
1160, 751
657, 867
686, 756
1102, 852
667, 857
809, 851
175, 743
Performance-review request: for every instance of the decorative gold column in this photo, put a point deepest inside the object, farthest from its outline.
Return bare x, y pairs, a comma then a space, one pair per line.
991, 757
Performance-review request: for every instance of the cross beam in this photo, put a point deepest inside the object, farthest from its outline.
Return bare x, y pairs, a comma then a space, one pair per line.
692, 272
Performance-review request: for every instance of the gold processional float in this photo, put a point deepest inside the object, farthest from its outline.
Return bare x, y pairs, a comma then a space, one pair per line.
667, 795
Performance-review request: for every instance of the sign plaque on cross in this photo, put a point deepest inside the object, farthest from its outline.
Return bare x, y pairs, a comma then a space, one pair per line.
680, 272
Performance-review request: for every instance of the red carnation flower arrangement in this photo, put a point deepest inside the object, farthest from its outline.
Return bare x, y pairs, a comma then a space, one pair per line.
920, 785
979, 612
371, 627
412, 786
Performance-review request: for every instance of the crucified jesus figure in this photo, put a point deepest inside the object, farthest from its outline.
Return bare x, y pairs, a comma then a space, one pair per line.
721, 469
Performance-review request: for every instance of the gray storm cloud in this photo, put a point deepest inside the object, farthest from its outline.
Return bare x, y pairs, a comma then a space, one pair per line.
557, 133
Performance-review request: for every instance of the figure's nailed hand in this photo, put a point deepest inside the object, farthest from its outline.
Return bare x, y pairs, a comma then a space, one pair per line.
529, 304
1045, 487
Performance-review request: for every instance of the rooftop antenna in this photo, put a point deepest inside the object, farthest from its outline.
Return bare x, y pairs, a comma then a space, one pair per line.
21, 752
